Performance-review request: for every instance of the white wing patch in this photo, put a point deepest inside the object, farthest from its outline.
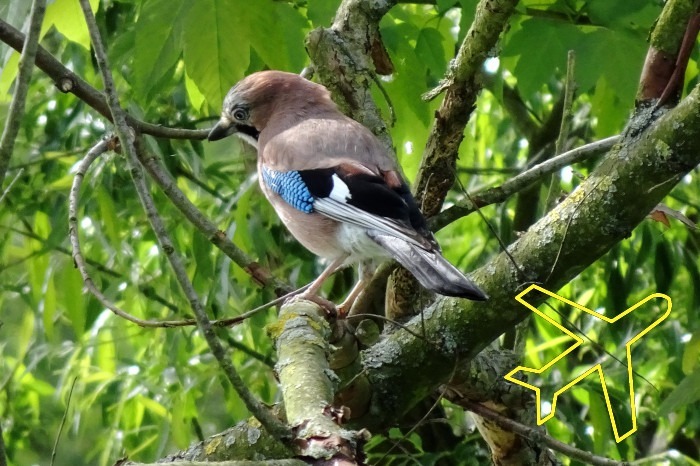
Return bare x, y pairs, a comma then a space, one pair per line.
340, 191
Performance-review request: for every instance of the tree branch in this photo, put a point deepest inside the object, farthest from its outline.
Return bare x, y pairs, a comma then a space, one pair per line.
522, 181
24, 76
302, 335
346, 56
281, 462
168, 185
437, 171
564, 129
539, 436
67, 81
12, 183
602, 211
244, 441
126, 137
664, 44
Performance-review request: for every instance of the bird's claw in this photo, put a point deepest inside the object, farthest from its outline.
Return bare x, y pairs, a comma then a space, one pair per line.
328, 306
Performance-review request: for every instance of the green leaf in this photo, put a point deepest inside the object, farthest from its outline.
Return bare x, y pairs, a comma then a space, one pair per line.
105, 352
201, 254
430, 50
219, 35
48, 306
663, 267
9, 72
216, 48
691, 354
600, 418
71, 296
197, 99
541, 42
618, 15
409, 79
687, 392
68, 18
618, 56
157, 43
108, 215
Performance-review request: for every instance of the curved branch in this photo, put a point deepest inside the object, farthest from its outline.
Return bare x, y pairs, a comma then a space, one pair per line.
437, 171
24, 75
67, 81
521, 181
168, 185
126, 137
602, 211
81, 263
534, 434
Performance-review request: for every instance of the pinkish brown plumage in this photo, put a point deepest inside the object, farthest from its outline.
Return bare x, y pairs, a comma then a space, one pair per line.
332, 182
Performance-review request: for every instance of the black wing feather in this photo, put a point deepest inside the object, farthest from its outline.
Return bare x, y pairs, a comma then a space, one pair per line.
369, 193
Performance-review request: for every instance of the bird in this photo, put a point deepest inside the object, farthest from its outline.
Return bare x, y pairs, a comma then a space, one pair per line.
333, 184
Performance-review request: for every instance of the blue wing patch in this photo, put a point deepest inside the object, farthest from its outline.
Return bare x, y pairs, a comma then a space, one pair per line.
291, 187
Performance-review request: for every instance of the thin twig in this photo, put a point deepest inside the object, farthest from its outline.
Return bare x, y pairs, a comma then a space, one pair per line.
240, 318
461, 86
273, 425
146, 290
168, 185
80, 262
537, 436
569, 89
63, 423
24, 75
9, 186
67, 81
500, 193
393, 322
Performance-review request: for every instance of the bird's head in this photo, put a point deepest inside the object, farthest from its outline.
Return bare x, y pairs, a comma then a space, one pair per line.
265, 96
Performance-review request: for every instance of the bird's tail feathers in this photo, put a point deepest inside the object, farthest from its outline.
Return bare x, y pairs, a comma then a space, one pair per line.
432, 270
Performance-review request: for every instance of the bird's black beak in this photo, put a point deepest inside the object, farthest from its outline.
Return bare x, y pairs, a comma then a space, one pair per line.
222, 129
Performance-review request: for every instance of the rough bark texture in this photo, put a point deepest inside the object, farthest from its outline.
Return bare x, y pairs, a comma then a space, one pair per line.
664, 44
308, 385
245, 441
634, 177
346, 57
437, 171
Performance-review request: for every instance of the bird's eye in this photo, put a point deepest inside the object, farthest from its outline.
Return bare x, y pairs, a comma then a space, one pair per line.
240, 114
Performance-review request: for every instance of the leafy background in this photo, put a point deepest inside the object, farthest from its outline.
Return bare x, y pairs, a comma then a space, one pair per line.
118, 389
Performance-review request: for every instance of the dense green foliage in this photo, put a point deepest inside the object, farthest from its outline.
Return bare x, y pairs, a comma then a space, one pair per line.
116, 389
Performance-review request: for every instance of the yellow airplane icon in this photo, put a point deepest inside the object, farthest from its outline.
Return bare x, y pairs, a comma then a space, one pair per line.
577, 342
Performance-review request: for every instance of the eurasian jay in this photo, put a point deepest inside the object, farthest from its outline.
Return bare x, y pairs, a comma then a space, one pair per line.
333, 184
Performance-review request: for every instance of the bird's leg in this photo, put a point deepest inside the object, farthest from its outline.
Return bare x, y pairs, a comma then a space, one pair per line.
365, 274
311, 292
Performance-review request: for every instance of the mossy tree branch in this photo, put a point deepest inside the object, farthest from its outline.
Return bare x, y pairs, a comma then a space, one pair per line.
651, 158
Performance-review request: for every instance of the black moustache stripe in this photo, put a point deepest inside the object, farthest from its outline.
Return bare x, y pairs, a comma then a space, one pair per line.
249, 130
